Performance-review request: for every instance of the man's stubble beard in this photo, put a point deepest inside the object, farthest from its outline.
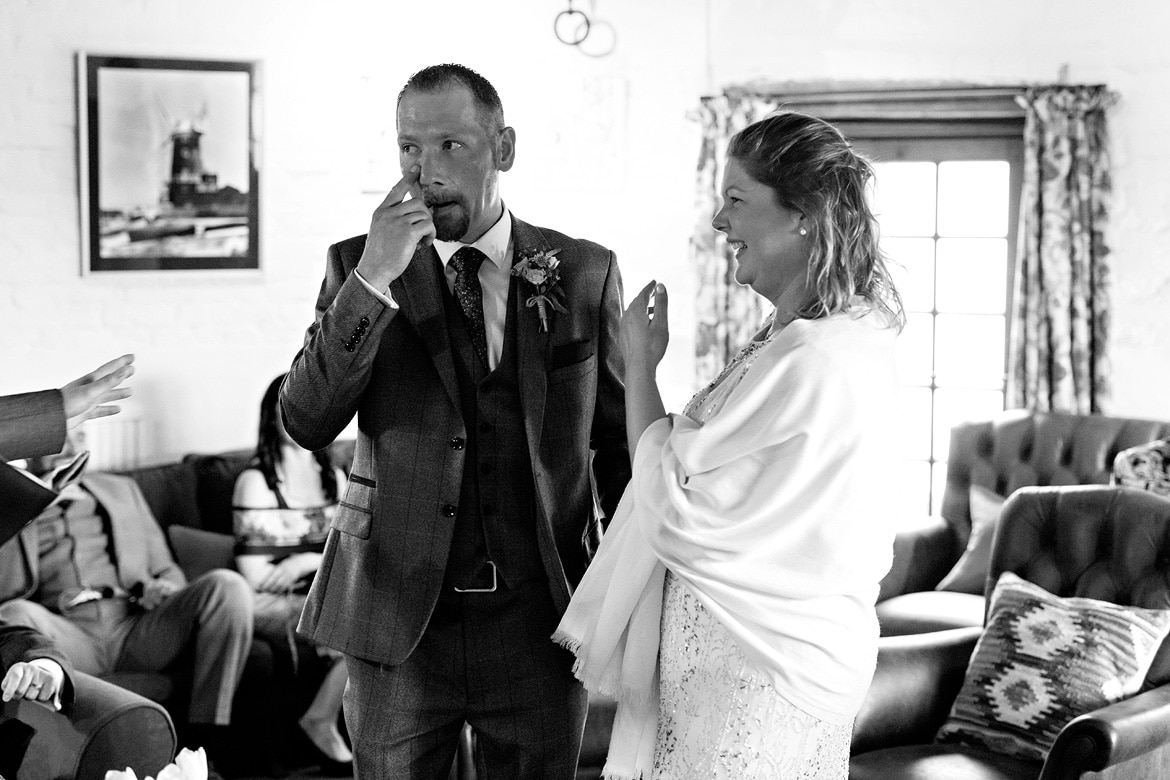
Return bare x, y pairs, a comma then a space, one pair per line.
453, 226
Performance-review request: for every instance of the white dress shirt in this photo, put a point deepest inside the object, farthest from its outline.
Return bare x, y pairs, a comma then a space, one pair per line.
494, 278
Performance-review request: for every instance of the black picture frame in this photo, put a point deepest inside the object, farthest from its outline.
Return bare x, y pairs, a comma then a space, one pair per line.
167, 160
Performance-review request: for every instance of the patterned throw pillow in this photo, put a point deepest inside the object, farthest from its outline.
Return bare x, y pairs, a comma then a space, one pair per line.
1042, 660
1146, 467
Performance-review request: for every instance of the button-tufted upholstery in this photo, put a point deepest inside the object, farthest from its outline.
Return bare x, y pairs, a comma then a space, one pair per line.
1108, 543
1015, 449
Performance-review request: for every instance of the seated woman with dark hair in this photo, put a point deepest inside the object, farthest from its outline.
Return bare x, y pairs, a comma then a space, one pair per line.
282, 506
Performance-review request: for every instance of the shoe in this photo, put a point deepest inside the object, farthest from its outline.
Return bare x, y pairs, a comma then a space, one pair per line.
330, 767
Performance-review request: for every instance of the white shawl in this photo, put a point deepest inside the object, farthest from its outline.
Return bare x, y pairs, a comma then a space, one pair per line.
771, 503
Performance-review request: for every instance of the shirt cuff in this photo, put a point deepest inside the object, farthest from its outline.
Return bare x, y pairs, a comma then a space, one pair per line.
384, 297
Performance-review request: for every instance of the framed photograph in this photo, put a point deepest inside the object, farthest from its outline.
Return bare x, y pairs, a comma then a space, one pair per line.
167, 157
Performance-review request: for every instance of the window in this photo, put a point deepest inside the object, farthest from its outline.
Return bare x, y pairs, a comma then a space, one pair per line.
947, 208
949, 170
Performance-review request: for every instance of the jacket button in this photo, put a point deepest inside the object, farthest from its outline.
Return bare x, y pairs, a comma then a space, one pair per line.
457, 443
364, 322
449, 510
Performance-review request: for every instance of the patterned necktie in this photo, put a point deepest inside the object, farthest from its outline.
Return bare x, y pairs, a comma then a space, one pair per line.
469, 294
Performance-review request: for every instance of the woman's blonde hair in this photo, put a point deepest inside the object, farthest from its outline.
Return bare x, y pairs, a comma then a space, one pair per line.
813, 169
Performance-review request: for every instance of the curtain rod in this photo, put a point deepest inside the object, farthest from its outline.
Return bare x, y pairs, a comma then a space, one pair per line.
859, 91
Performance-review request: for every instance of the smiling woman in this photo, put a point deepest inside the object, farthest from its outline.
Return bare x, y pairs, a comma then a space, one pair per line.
767, 238
730, 607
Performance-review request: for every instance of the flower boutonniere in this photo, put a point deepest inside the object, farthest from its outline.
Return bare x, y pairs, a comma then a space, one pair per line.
539, 269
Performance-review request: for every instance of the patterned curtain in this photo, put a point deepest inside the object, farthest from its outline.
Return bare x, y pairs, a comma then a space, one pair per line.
728, 313
1060, 327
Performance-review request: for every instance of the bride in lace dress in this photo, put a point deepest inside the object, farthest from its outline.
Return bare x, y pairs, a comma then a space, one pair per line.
730, 608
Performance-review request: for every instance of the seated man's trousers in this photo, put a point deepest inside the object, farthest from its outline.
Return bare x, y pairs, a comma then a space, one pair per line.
211, 615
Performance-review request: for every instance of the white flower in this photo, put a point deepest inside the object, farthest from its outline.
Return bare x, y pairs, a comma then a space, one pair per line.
189, 765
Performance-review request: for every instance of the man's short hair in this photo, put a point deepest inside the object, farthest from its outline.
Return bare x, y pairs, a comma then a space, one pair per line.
436, 77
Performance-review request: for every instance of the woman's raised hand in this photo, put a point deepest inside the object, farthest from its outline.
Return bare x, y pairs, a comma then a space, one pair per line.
644, 330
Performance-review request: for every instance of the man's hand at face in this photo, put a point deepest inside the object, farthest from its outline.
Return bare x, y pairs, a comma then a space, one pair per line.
396, 229
155, 592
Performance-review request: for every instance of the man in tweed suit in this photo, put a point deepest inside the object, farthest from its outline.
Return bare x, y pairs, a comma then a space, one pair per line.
470, 513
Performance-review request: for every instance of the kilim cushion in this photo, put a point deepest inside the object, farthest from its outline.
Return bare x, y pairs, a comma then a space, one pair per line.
1043, 660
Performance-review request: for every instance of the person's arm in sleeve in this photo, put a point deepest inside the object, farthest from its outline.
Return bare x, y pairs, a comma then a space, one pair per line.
31, 424
611, 461
33, 668
320, 395
34, 424
164, 576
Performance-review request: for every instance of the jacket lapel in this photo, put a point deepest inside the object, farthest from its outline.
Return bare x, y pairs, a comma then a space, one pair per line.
420, 300
531, 340
129, 548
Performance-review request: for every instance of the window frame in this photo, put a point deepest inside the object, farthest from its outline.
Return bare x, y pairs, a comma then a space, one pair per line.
882, 118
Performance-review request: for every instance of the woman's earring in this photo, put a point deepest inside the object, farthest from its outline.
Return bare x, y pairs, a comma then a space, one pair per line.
803, 231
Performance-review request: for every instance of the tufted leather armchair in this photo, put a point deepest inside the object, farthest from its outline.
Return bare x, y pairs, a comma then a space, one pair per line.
1015, 449
1106, 543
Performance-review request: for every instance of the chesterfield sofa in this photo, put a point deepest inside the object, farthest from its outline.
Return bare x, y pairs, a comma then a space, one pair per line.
1014, 449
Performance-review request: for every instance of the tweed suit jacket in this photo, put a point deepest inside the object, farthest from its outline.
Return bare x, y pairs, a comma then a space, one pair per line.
387, 548
31, 424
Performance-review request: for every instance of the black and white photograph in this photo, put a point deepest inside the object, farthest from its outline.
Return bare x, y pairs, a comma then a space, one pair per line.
171, 180
584, 390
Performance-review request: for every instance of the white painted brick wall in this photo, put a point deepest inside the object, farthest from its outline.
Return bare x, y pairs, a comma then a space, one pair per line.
207, 345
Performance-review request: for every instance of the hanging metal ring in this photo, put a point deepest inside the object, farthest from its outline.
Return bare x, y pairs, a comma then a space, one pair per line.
602, 40
564, 20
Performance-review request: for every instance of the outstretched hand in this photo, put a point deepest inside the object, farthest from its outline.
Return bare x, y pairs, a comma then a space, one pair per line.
92, 395
396, 230
644, 328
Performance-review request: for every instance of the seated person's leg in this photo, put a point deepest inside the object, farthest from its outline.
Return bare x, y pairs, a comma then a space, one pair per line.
212, 614
320, 721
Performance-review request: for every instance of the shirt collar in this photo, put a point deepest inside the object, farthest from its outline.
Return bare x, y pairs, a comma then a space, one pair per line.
493, 243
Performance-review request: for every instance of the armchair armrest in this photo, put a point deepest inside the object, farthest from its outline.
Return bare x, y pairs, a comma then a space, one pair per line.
1135, 732
106, 727
922, 557
198, 552
914, 685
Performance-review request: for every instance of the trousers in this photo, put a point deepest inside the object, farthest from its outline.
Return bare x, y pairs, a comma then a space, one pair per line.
212, 616
486, 659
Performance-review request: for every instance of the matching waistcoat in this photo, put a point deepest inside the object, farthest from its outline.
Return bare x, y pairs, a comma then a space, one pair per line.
496, 517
